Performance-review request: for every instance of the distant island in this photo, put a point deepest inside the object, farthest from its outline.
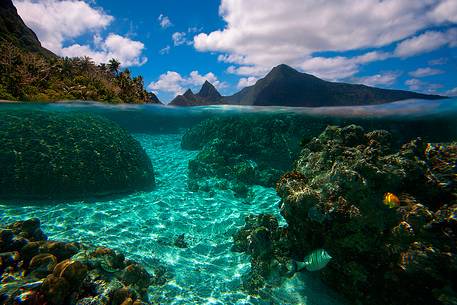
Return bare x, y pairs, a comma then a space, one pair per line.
285, 86
208, 95
29, 72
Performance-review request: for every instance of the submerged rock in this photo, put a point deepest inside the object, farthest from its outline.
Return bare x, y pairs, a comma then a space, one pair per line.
245, 150
48, 155
381, 253
48, 272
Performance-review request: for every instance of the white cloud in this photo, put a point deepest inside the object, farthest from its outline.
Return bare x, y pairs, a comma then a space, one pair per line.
426, 42
248, 70
164, 21
168, 82
445, 11
165, 50
418, 85
339, 67
423, 72
246, 82
386, 78
265, 33
173, 82
57, 22
127, 51
180, 38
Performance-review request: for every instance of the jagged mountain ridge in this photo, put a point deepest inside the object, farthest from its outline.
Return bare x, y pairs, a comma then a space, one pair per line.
208, 95
285, 86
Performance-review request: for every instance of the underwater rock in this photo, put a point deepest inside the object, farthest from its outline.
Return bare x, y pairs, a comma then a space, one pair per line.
345, 174
261, 237
29, 229
42, 264
50, 272
136, 276
235, 149
180, 241
47, 155
396, 251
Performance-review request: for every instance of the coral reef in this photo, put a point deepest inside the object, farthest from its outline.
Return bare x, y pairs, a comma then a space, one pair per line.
237, 151
47, 155
382, 253
37, 271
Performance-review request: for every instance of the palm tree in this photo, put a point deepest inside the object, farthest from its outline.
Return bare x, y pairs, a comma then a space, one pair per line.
113, 66
87, 64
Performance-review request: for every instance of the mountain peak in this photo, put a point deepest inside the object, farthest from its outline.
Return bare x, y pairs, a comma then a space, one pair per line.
283, 69
285, 86
188, 94
209, 91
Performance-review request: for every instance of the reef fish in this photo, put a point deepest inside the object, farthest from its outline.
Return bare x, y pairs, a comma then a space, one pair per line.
314, 261
391, 200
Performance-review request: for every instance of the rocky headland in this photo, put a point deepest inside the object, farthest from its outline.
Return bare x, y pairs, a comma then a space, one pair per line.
47, 155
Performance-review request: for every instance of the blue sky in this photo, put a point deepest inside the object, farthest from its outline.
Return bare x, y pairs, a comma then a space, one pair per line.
178, 44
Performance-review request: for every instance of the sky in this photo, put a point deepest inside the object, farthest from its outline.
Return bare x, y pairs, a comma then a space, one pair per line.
176, 44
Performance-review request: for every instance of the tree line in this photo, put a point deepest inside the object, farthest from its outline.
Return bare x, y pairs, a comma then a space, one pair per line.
27, 76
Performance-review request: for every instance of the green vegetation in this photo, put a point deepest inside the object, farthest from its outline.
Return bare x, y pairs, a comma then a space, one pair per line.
28, 76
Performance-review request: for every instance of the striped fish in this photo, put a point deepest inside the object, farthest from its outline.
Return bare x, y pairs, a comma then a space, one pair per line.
314, 261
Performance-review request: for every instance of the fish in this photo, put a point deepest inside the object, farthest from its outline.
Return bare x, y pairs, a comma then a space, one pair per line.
391, 200
314, 261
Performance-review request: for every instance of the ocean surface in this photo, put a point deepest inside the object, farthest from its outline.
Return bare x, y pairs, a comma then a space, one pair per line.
145, 225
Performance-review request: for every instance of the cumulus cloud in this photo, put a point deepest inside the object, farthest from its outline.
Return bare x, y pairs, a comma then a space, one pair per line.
173, 82
127, 51
246, 82
385, 78
57, 22
426, 42
261, 33
164, 21
423, 72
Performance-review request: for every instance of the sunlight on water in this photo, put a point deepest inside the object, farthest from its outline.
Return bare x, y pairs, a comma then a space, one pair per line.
144, 227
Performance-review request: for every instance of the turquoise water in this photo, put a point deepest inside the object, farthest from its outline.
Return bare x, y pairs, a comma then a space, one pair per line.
145, 225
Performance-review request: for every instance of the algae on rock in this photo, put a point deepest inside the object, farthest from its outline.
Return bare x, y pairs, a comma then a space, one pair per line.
38, 271
245, 150
333, 199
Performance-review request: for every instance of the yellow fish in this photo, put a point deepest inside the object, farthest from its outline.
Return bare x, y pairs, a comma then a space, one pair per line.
391, 200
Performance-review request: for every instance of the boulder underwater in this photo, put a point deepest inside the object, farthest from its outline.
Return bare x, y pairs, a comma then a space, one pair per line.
38, 271
53, 155
386, 214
